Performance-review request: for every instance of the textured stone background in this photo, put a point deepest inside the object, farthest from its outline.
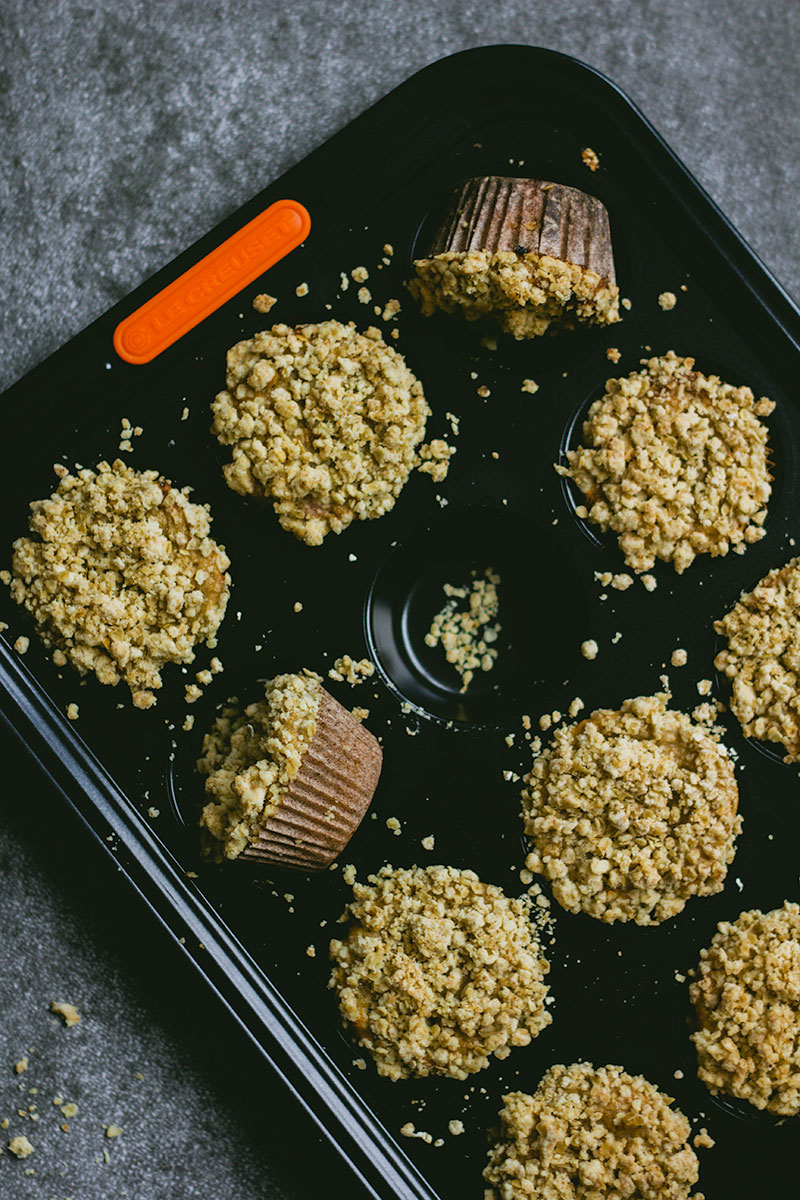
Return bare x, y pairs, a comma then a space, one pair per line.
127, 132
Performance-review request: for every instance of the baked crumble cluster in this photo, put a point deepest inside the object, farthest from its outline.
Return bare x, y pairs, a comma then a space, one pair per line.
632, 812
591, 1132
467, 634
675, 463
747, 997
250, 758
121, 575
528, 294
438, 971
762, 659
326, 422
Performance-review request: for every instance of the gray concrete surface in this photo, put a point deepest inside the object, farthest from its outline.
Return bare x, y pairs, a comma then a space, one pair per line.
126, 133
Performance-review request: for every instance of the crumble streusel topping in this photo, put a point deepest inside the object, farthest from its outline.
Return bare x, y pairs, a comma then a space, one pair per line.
747, 997
632, 812
438, 971
526, 293
763, 656
589, 1132
325, 422
467, 634
675, 463
121, 575
251, 757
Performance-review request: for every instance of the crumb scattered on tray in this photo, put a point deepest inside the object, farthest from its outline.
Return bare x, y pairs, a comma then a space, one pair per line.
428, 953
613, 354
589, 649
263, 303
590, 158
22, 644
667, 300
347, 669
20, 1147
530, 386
68, 1012
679, 657
301, 290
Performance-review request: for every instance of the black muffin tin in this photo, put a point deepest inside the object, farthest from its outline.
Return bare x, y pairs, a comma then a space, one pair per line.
387, 178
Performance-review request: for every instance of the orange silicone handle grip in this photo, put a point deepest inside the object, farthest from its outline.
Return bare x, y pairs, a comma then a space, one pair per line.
201, 290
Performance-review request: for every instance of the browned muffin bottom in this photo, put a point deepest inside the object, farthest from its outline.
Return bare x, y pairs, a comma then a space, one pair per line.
534, 256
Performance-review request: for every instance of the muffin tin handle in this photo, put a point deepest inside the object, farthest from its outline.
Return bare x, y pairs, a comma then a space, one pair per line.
217, 277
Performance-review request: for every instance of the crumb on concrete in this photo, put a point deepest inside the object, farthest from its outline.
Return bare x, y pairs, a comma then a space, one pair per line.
68, 1012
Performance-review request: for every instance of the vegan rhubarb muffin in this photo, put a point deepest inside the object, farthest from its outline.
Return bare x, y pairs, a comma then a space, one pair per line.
632, 812
762, 659
676, 463
289, 778
533, 256
438, 971
589, 1132
121, 575
747, 997
325, 422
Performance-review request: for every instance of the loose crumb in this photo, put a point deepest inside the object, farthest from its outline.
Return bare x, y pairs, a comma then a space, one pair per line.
667, 300
347, 669
589, 649
21, 1065
428, 842
679, 657
68, 1012
20, 1146
530, 386
613, 354
21, 645
113, 1131
301, 289
311, 951
590, 158
394, 825
263, 303
455, 1127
